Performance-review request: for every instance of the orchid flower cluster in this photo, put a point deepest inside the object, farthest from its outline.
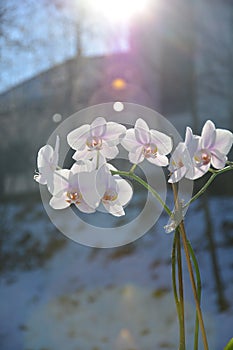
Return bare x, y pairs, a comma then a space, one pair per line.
90, 181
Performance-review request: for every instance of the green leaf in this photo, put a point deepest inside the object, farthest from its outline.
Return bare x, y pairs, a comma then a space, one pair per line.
229, 345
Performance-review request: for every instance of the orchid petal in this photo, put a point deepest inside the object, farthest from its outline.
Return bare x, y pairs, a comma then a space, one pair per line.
98, 127
102, 179
177, 175
208, 135
192, 141
60, 181
77, 138
59, 202
81, 166
197, 172
218, 160
56, 150
137, 156
114, 209
125, 191
223, 141
142, 132
89, 188
160, 160
114, 133
40, 178
109, 152
130, 142
45, 156
162, 141
84, 154
177, 156
85, 208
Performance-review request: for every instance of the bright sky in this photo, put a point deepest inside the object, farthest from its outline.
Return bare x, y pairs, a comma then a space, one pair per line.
118, 10
105, 30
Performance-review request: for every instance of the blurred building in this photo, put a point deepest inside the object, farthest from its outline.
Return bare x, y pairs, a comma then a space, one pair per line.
180, 64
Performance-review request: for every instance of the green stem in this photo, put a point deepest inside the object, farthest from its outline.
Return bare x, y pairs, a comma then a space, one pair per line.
146, 185
180, 278
133, 168
192, 280
174, 274
176, 252
190, 270
210, 180
181, 293
198, 286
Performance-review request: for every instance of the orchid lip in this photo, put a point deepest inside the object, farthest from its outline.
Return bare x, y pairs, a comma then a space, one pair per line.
110, 196
74, 197
203, 157
94, 143
150, 150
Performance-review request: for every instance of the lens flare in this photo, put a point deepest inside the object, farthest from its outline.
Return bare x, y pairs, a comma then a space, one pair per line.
118, 10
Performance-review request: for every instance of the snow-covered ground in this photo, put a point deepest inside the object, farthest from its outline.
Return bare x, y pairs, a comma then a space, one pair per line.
56, 294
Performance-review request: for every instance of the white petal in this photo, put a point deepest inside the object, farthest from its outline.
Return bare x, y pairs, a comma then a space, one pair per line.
44, 157
197, 172
98, 127
85, 208
125, 191
102, 179
177, 175
137, 156
208, 134
160, 160
77, 138
56, 151
109, 152
142, 132
177, 156
57, 144
60, 181
84, 154
90, 188
192, 141
162, 141
59, 202
40, 178
223, 141
218, 160
114, 133
82, 165
129, 142
114, 209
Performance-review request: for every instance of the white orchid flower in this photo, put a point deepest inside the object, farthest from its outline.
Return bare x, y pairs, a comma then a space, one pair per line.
116, 192
214, 145
193, 158
97, 141
47, 162
181, 162
143, 143
72, 187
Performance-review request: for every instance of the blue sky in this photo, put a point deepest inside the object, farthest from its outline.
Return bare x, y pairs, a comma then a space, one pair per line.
48, 38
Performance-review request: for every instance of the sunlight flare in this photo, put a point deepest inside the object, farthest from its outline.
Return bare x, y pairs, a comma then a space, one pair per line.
118, 10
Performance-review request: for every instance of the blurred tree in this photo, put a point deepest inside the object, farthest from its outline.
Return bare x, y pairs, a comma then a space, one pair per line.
215, 66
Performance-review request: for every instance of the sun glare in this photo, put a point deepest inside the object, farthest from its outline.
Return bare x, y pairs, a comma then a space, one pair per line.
119, 10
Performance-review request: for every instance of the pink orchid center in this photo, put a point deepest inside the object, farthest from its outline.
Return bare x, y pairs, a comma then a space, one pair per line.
73, 197
94, 143
203, 157
110, 196
150, 150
